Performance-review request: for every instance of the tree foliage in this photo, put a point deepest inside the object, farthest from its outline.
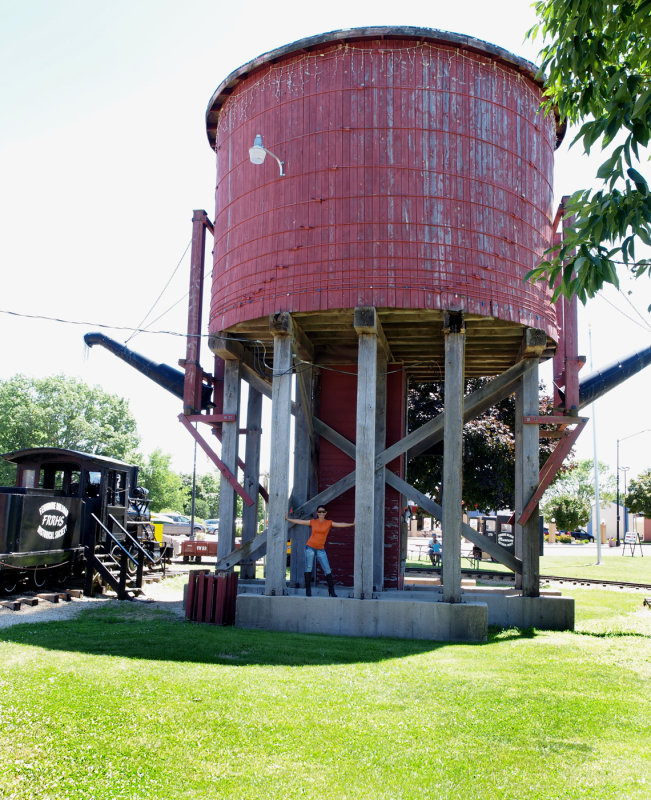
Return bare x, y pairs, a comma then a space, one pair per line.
488, 449
568, 511
165, 486
206, 496
578, 480
638, 496
596, 55
63, 412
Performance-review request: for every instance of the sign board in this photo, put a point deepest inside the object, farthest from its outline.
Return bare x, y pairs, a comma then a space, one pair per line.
632, 540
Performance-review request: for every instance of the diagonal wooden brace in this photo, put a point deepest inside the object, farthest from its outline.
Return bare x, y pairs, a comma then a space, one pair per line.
490, 546
216, 460
553, 463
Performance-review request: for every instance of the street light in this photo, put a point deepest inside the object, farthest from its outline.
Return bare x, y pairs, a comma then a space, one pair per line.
624, 470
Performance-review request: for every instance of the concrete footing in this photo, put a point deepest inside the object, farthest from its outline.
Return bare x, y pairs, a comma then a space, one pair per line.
405, 615
544, 613
410, 619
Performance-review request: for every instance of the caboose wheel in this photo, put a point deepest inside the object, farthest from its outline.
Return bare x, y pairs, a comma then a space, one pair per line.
38, 578
61, 575
9, 581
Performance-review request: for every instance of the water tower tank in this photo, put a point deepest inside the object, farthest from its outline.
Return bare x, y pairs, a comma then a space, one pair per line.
418, 179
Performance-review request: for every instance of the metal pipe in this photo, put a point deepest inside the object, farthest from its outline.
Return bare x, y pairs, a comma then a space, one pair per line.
168, 377
595, 386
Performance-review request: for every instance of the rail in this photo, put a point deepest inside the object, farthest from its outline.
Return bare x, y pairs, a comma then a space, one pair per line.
495, 575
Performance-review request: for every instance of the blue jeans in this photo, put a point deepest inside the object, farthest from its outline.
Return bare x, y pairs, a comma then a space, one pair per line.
321, 557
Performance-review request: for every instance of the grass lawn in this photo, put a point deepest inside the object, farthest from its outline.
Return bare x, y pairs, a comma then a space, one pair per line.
128, 701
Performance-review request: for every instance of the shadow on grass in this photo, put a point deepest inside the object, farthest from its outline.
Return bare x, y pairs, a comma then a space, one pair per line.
612, 634
155, 634
499, 635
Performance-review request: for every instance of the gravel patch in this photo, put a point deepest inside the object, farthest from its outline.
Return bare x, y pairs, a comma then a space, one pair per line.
156, 594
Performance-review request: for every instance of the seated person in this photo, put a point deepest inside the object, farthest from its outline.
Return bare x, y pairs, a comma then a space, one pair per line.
434, 550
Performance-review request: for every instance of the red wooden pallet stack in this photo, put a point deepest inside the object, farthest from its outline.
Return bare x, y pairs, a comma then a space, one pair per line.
211, 598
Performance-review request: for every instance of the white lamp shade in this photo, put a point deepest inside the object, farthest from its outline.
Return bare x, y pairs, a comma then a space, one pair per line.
257, 154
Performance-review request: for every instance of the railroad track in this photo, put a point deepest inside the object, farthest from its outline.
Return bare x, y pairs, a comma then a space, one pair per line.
491, 575
73, 589
67, 593
597, 582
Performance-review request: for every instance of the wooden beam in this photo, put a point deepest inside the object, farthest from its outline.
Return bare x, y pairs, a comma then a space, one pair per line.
251, 473
452, 458
365, 321
489, 546
301, 344
280, 326
432, 432
527, 536
334, 437
304, 465
534, 343
230, 438
252, 550
226, 347
232, 350
380, 484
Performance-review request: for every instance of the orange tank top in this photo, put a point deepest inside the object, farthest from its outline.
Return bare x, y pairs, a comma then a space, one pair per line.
320, 531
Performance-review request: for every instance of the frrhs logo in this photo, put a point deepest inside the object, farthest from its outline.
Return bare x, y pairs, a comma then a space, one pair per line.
54, 520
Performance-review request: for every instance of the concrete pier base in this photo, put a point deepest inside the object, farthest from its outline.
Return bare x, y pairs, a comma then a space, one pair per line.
403, 618
417, 613
544, 613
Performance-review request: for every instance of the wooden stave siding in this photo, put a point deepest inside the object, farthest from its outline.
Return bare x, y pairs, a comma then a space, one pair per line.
345, 227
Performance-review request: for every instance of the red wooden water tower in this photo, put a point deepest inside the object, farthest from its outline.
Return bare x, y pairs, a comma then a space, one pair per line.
405, 193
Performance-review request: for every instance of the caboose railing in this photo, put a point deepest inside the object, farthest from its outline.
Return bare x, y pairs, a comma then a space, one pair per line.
97, 563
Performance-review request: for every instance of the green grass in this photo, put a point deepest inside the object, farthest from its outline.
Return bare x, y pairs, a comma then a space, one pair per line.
128, 701
613, 567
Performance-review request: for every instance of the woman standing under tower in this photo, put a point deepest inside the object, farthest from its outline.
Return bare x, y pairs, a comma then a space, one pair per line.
315, 546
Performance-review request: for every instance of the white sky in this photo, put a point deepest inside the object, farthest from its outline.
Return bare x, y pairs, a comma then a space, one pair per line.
103, 157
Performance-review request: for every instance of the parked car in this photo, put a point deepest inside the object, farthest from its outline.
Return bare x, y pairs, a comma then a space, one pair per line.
176, 524
580, 534
212, 526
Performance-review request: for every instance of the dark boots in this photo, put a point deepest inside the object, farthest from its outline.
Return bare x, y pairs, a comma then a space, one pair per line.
331, 585
308, 584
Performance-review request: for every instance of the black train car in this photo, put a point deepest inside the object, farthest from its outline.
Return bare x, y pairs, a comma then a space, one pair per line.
47, 518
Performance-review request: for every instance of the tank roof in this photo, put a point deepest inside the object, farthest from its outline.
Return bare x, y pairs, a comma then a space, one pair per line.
228, 85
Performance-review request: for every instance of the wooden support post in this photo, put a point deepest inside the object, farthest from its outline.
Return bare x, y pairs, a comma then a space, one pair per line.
303, 472
454, 331
380, 484
527, 536
251, 474
230, 436
281, 413
366, 327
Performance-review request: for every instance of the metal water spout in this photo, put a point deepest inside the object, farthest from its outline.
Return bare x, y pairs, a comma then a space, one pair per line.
168, 377
595, 386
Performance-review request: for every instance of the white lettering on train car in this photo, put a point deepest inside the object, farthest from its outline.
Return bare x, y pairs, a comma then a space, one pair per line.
54, 520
